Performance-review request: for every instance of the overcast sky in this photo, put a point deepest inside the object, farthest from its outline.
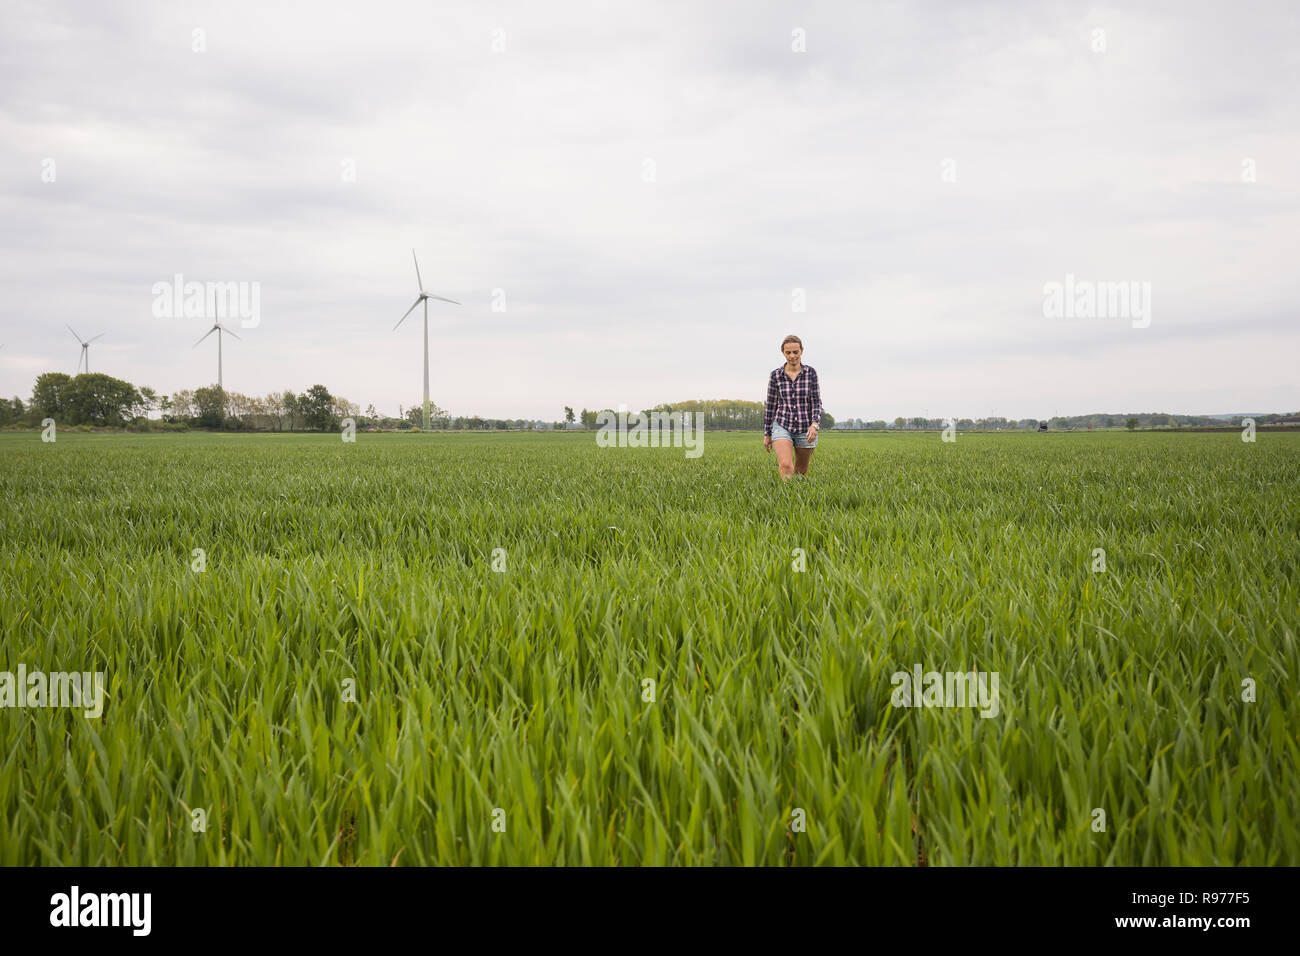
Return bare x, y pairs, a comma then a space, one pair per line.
647, 185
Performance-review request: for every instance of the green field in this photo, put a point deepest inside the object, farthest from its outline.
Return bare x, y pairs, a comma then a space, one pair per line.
370, 566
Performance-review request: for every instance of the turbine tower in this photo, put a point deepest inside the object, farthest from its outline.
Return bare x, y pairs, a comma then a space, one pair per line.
424, 297
85, 349
218, 328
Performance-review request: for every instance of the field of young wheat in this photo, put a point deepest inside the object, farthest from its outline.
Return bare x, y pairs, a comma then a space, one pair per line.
526, 649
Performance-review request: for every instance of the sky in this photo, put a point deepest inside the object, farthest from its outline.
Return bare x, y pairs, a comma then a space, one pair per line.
635, 202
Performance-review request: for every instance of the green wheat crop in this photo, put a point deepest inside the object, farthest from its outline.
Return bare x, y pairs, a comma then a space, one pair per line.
501, 716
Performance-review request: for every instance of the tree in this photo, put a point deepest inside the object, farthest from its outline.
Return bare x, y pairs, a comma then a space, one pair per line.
258, 412
209, 406
238, 411
827, 421
900, 421
588, 418
568, 415
342, 409
148, 400
94, 398
317, 408
273, 405
290, 401
1131, 424
183, 407
438, 417
11, 411
50, 393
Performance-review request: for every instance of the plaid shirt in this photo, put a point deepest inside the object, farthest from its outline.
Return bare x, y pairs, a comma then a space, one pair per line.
792, 405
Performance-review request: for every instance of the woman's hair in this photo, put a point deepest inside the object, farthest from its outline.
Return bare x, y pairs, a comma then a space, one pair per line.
791, 338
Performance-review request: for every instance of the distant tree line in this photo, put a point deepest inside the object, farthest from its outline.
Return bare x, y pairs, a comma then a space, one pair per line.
101, 400
719, 413
92, 398
742, 415
1063, 422
97, 399
211, 407
441, 420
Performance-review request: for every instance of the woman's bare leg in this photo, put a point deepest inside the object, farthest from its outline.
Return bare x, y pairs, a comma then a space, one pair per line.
784, 457
801, 458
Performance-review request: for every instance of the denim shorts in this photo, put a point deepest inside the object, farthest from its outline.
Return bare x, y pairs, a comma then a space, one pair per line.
800, 441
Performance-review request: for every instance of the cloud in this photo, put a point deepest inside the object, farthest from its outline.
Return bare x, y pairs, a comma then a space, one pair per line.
647, 186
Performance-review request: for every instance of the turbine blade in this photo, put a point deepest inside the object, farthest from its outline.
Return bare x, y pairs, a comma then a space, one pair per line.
74, 334
226, 330
408, 312
417, 271
99, 336
441, 299
205, 335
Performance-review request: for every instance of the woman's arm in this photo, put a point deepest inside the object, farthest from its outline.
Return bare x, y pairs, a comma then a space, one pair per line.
769, 410
816, 400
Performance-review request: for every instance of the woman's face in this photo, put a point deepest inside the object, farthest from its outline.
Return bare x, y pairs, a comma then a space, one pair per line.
792, 352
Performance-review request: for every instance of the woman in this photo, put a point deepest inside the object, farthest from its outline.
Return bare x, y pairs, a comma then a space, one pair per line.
793, 411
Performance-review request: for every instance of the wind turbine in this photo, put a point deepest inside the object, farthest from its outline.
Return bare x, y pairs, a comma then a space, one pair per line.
85, 349
218, 328
424, 297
